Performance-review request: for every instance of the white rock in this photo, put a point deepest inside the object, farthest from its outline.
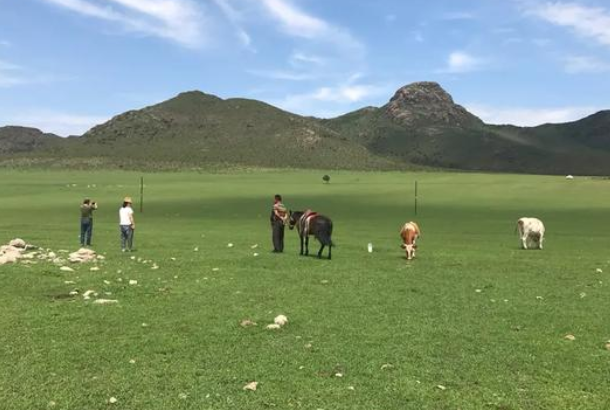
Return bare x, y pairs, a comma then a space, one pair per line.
441, 387
68, 282
106, 282
112, 400
273, 326
254, 246
105, 301
338, 374
251, 386
182, 396
154, 267
229, 245
132, 361
66, 269
74, 293
133, 282
87, 294
255, 254
280, 320
94, 269
598, 270
17, 243
196, 249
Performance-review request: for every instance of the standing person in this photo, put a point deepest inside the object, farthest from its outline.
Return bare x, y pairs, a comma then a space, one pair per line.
278, 220
86, 221
127, 225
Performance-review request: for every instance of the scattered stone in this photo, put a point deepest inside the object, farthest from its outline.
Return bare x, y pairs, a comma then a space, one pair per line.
387, 366
255, 254
132, 361
68, 282
251, 386
112, 400
441, 387
73, 293
570, 337
598, 270
66, 269
182, 396
539, 298
94, 269
18, 243
155, 266
133, 258
273, 326
196, 249
144, 324
351, 388
478, 290
83, 255
229, 245
172, 258
105, 301
280, 320
247, 323
583, 295
338, 374
607, 346
254, 246
215, 269
133, 282
87, 294
107, 282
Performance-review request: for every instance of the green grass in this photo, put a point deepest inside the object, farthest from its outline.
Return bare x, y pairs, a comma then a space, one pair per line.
394, 329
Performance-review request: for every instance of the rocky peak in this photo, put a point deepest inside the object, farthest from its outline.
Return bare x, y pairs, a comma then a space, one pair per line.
427, 103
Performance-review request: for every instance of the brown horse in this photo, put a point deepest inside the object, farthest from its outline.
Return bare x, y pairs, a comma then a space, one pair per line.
312, 223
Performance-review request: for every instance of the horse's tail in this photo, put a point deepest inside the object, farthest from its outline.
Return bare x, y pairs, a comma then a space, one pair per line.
325, 238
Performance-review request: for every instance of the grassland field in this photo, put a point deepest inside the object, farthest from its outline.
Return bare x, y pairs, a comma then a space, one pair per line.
472, 323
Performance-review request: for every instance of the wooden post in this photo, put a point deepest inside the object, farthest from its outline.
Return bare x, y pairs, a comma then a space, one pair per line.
415, 205
141, 194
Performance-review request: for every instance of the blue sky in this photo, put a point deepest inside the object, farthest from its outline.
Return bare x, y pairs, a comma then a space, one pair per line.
66, 65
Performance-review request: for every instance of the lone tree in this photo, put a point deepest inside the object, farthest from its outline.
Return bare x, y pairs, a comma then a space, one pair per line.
326, 178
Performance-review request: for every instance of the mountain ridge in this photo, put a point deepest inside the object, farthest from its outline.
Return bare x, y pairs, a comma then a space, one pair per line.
420, 126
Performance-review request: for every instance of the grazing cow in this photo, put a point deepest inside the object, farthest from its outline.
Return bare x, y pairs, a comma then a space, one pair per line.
409, 234
531, 230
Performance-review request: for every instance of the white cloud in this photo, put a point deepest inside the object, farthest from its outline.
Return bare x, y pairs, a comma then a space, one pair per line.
591, 22
236, 19
60, 123
458, 15
11, 75
582, 64
298, 59
297, 23
282, 75
529, 117
330, 101
5, 43
177, 20
461, 62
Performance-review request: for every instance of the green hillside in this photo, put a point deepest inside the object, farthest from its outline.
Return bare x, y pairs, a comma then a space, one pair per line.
420, 127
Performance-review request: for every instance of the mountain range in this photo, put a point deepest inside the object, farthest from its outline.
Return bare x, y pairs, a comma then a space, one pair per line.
420, 127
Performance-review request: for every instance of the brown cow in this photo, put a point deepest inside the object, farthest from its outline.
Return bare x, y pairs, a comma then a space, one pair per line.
409, 234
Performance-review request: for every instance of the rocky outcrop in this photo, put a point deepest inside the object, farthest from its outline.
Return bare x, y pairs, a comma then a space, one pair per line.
427, 103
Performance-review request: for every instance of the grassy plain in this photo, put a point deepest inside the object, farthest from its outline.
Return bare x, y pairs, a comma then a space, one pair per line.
472, 323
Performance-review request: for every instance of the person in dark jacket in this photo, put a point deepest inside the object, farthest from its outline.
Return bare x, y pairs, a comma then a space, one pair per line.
279, 215
86, 221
